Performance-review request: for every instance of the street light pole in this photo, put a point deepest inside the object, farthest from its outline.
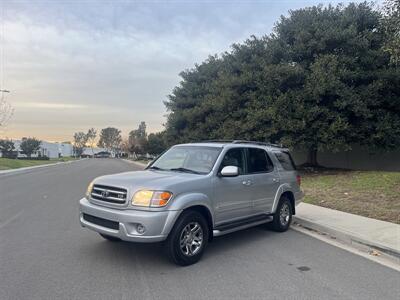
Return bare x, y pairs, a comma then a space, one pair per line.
6, 110
2, 93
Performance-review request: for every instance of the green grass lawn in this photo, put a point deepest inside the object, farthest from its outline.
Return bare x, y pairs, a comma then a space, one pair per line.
7, 164
368, 193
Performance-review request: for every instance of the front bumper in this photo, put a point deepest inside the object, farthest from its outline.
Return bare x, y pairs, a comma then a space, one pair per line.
157, 224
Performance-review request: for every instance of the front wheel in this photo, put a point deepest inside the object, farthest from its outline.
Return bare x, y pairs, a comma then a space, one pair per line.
283, 215
188, 239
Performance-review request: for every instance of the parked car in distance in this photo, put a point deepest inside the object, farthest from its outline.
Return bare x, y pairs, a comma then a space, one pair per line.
194, 192
102, 154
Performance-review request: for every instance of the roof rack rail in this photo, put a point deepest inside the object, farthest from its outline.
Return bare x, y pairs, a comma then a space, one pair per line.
257, 143
243, 142
216, 141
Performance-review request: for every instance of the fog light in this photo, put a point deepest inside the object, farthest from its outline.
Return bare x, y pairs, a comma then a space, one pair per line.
140, 228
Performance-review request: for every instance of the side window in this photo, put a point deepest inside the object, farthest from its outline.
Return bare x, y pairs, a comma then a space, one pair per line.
234, 157
285, 160
258, 161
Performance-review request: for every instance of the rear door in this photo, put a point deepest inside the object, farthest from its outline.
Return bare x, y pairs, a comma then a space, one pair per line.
264, 179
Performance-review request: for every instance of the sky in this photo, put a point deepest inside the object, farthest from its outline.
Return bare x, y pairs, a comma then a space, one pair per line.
72, 65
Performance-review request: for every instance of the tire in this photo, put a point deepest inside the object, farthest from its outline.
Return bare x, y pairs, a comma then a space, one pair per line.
110, 238
283, 215
189, 230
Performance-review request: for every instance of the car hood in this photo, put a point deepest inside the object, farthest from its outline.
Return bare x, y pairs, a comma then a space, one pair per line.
147, 179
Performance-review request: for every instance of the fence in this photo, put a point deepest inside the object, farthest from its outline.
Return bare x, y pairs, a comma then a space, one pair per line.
357, 159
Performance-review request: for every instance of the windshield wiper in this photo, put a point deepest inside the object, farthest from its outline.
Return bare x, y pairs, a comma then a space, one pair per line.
155, 168
185, 170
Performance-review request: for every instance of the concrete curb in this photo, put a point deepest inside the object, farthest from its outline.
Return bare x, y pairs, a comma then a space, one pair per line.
135, 162
21, 170
346, 236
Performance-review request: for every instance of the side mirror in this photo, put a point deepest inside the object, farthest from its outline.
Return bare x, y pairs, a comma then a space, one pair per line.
230, 171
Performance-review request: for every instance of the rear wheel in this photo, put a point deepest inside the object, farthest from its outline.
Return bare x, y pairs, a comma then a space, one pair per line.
110, 238
188, 239
283, 215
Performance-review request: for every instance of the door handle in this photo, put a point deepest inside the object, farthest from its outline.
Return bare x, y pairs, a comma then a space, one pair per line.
246, 182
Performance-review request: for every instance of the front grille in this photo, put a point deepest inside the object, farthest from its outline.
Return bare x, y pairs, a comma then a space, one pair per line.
109, 194
101, 222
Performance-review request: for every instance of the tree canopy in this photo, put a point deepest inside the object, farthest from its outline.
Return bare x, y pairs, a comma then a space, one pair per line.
91, 138
391, 23
137, 139
80, 140
155, 143
321, 80
29, 146
110, 138
7, 148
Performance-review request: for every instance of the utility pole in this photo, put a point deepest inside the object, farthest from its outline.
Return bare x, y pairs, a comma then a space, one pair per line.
6, 110
2, 93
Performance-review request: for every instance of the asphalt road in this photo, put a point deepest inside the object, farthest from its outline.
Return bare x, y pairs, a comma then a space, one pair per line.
45, 254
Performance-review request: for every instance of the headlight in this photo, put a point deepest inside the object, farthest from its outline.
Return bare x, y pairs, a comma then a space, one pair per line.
151, 198
89, 189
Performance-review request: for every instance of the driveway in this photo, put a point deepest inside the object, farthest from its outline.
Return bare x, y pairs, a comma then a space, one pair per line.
45, 254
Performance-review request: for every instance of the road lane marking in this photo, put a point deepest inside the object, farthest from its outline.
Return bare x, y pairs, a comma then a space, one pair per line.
4, 224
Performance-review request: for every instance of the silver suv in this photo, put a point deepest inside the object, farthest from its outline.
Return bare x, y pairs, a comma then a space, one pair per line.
194, 192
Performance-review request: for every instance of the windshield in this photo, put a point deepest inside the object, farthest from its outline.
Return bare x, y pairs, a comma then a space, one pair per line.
190, 159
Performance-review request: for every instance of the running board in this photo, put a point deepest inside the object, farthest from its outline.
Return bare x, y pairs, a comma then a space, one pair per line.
242, 224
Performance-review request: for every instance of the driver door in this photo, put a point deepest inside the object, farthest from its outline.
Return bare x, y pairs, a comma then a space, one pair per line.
231, 194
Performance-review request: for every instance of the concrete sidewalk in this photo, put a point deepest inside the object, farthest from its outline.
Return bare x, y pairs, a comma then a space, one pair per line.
349, 228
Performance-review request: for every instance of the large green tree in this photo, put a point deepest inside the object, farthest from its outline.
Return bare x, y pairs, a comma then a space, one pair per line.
321, 80
349, 93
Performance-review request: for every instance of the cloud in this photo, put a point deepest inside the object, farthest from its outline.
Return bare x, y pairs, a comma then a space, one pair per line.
129, 72
44, 105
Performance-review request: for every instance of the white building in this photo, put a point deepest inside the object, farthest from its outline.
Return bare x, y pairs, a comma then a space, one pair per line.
51, 150
66, 149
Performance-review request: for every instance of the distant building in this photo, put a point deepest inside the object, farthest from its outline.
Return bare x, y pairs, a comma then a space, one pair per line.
51, 150
66, 149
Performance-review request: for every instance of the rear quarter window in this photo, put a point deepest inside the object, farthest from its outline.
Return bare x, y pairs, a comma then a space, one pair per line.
285, 160
258, 161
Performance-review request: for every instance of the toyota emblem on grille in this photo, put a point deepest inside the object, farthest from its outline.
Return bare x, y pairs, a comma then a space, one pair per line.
104, 194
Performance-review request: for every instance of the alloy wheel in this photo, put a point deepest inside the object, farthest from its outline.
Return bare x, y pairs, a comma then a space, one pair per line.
284, 214
191, 239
